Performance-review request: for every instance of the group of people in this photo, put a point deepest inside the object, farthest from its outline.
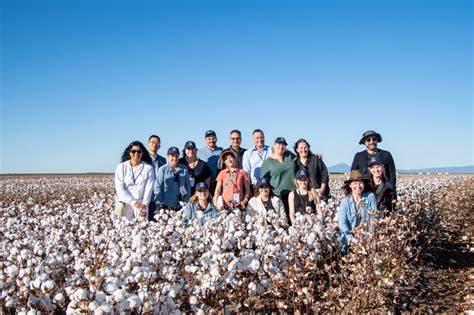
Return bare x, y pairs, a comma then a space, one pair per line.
271, 183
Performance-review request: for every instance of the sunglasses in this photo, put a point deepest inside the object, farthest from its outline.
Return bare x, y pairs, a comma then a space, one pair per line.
371, 139
136, 151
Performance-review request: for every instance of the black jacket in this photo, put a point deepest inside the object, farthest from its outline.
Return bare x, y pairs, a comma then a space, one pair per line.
318, 172
361, 159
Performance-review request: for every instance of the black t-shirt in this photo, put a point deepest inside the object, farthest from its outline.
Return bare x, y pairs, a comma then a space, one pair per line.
199, 173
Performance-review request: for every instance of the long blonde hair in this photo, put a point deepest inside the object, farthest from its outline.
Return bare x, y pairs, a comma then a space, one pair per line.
194, 198
312, 193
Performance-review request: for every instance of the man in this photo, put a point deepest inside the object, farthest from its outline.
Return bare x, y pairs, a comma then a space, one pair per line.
235, 139
172, 188
210, 155
154, 144
370, 139
253, 158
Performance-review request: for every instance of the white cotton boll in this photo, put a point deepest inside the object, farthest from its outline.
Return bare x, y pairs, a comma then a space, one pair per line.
32, 312
110, 287
105, 307
200, 312
119, 295
10, 302
123, 305
254, 265
134, 301
93, 306
47, 286
143, 295
35, 284
58, 298
12, 271
81, 294
200, 214
193, 300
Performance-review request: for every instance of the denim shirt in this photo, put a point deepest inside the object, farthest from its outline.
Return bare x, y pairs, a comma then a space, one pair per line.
167, 186
348, 218
191, 210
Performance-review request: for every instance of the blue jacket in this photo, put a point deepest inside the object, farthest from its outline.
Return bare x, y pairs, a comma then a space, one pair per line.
191, 210
348, 218
167, 186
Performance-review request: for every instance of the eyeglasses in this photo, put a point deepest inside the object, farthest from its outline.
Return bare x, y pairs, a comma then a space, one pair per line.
236, 138
371, 139
136, 151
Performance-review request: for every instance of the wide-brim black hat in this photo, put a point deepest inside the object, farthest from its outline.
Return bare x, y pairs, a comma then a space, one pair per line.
369, 133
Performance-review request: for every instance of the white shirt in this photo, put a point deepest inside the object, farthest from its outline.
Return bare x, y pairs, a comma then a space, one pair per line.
134, 184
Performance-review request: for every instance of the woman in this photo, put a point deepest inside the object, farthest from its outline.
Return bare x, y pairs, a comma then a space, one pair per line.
134, 180
314, 165
303, 199
359, 205
172, 188
200, 205
233, 183
198, 169
267, 207
384, 192
279, 170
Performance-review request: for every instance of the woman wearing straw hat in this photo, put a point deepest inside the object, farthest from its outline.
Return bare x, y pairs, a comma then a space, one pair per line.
359, 205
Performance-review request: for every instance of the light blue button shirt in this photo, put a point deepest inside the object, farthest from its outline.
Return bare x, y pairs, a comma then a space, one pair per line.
210, 157
253, 160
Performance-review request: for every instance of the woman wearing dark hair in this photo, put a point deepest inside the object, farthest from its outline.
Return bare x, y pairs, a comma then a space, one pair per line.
359, 205
384, 191
198, 169
134, 180
266, 207
314, 165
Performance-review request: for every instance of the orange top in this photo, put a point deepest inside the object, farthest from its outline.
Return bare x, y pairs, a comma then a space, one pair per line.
234, 185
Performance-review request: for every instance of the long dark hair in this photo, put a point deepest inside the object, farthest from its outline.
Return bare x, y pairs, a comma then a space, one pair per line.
368, 187
145, 155
296, 146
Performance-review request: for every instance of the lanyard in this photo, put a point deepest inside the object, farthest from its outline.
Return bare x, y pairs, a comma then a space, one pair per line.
265, 152
133, 174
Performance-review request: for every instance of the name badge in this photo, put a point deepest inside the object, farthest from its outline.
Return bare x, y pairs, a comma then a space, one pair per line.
236, 197
191, 181
182, 190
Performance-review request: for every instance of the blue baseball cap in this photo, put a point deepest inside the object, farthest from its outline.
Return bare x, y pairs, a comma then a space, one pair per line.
201, 186
281, 140
210, 133
302, 174
190, 145
173, 151
374, 160
263, 183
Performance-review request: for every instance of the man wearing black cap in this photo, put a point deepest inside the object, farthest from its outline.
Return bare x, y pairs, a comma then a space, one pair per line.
370, 139
172, 187
210, 155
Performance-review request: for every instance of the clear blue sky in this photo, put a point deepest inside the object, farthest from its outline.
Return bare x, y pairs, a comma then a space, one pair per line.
82, 79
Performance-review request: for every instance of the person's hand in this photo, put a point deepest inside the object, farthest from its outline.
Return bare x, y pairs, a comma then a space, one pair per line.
141, 207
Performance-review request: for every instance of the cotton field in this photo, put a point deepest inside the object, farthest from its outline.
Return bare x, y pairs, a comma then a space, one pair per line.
64, 251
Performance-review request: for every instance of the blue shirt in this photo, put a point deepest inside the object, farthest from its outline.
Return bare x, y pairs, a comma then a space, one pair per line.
252, 162
191, 210
210, 157
349, 217
167, 186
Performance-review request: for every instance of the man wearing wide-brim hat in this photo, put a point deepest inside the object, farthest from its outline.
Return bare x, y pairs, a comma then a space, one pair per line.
371, 139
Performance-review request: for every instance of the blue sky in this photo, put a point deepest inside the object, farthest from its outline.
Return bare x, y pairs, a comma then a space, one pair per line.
82, 79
